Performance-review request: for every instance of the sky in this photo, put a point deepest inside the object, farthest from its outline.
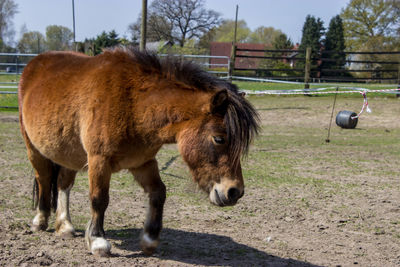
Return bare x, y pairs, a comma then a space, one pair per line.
94, 16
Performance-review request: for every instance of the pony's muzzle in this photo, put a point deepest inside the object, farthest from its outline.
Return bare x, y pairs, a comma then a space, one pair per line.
221, 197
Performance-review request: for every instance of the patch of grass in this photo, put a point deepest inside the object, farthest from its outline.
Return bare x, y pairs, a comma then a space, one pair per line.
8, 100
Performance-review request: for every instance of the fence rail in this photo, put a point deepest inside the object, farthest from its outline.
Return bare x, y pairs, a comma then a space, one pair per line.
11, 67
357, 66
204, 60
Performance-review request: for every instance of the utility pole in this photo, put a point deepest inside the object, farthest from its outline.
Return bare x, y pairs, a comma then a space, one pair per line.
143, 28
73, 23
398, 81
233, 53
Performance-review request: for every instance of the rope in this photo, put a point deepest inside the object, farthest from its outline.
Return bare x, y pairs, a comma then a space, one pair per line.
365, 106
315, 92
301, 83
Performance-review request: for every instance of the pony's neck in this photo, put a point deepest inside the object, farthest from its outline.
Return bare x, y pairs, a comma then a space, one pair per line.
176, 109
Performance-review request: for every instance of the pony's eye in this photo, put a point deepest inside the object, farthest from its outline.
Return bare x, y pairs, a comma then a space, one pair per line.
219, 140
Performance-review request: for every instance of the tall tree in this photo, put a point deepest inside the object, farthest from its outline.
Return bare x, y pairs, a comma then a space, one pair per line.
158, 29
264, 35
396, 10
104, 40
8, 8
32, 42
367, 20
179, 20
334, 46
58, 37
313, 30
282, 42
225, 32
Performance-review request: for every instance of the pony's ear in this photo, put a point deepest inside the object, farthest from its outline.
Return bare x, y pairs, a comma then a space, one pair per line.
242, 94
219, 103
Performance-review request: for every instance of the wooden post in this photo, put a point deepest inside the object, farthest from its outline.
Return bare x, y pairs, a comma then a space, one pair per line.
143, 28
233, 52
398, 81
232, 62
307, 68
73, 25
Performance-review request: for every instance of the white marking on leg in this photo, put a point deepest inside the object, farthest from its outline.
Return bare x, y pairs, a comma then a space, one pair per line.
37, 219
39, 222
63, 204
148, 244
63, 217
149, 241
100, 246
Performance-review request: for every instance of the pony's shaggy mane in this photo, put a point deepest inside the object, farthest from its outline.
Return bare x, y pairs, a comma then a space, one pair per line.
241, 119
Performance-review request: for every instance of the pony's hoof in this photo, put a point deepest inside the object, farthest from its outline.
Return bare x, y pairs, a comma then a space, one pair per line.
66, 233
65, 230
38, 227
39, 223
148, 245
100, 247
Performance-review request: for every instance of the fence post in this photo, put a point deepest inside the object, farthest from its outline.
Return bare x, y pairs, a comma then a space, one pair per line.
307, 68
398, 81
233, 54
16, 69
232, 61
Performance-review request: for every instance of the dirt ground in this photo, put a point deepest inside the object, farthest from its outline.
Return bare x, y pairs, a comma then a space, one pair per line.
307, 203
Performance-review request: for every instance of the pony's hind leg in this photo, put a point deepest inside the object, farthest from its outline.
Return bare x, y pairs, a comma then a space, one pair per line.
148, 177
45, 176
45, 180
65, 181
99, 184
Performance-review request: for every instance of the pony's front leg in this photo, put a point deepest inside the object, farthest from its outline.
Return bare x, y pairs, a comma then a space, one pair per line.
99, 184
149, 178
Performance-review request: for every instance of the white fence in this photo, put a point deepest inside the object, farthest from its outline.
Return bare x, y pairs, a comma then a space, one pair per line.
12, 64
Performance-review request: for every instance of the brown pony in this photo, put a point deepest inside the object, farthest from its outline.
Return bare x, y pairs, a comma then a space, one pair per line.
115, 111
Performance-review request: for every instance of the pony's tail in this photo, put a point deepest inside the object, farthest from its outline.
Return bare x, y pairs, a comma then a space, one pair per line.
53, 185
35, 194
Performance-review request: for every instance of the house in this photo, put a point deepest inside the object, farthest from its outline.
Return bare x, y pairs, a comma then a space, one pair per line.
157, 46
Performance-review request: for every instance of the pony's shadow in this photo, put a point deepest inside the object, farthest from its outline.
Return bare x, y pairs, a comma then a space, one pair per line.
199, 249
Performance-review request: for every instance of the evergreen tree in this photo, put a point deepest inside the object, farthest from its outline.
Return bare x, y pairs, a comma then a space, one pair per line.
334, 45
105, 40
282, 42
313, 30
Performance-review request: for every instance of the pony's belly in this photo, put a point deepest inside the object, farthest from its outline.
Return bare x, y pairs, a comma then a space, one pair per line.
57, 143
135, 158
71, 156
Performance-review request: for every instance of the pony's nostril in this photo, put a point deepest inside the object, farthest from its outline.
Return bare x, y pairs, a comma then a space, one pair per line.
233, 194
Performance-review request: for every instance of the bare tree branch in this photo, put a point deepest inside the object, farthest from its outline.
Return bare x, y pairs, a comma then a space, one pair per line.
179, 20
